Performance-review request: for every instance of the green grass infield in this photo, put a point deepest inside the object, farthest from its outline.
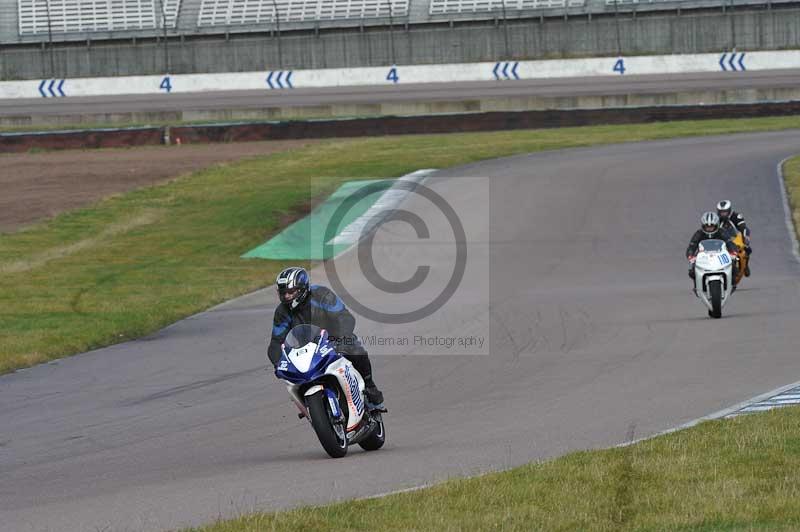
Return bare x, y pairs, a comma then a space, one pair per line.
791, 176
131, 264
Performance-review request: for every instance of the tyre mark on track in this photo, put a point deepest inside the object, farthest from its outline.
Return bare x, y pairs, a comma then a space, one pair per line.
169, 392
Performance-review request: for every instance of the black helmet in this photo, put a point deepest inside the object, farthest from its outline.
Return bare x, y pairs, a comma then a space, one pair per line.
724, 210
293, 285
709, 223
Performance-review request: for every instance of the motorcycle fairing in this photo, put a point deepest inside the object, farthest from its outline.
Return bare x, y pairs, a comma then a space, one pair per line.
713, 262
306, 363
315, 362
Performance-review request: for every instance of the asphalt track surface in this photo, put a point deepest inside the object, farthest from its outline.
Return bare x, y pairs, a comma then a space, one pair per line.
405, 93
575, 276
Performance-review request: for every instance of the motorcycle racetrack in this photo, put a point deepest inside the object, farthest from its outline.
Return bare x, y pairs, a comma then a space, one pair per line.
574, 279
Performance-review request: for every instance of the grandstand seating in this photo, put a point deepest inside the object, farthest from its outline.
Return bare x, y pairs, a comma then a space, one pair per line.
247, 12
27, 21
612, 2
440, 7
81, 16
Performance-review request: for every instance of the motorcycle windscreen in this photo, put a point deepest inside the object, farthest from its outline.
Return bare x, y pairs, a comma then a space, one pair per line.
712, 245
302, 335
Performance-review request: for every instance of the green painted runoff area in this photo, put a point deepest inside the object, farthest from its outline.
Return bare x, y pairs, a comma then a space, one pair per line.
305, 239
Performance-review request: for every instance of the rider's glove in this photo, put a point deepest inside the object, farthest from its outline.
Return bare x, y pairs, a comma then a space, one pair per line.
749, 250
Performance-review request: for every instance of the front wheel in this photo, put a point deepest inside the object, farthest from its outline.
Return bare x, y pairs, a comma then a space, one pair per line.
715, 293
331, 435
378, 437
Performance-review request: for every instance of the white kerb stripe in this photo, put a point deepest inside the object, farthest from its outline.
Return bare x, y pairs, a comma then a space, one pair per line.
389, 200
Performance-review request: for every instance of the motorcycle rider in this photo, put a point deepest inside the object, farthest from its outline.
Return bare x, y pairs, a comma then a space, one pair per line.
301, 302
733, 221
709, 229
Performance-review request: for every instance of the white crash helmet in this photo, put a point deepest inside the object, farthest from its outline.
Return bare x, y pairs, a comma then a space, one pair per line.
724, 209
709, 223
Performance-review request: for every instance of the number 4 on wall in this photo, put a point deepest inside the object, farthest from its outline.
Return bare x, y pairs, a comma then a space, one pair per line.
166, 84
619, 66
392, 75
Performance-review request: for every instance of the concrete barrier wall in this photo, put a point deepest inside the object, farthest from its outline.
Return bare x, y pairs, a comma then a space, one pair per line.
651, 33
521, 103
471, 122
73, 140
506, 71
492, 121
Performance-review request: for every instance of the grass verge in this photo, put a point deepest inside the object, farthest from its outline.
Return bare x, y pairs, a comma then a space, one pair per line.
791, 177
735, 474
132, 264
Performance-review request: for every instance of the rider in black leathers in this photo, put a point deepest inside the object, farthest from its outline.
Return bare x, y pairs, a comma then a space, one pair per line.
318, 305
732, 221
709, 229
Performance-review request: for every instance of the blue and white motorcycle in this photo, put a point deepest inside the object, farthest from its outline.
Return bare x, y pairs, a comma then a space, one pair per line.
328, 391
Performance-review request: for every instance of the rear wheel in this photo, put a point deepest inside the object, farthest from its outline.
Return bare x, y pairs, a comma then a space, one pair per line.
331, 435
378, 437
715, 293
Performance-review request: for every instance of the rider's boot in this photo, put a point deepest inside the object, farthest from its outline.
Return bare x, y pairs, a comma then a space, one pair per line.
374, 395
